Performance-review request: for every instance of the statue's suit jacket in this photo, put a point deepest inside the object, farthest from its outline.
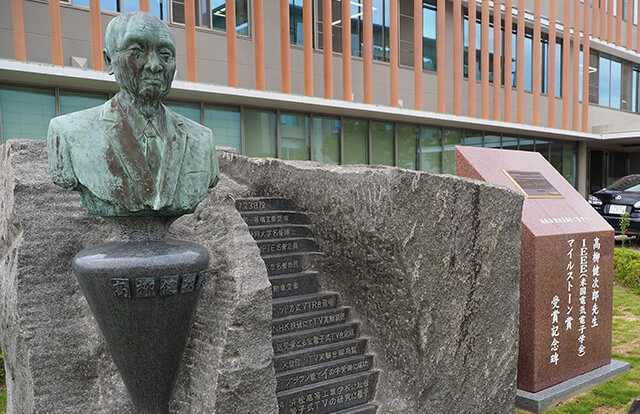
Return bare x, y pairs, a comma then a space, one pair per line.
95, 152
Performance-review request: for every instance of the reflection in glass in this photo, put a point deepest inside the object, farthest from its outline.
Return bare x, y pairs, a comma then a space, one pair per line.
77, 101
452, 137
569, 161
559, 69
542, 146
528, 60
472, 138
295, 138
555, 157
509, 142
491, 141
190, 110
219, 16
616, 79
429, 25
336, 25
356, 141
380, 20
26, 112
296, 30
224, 121
260, 133
431, 157
407, 146
382, 143
603, 81
526, 144
326, 140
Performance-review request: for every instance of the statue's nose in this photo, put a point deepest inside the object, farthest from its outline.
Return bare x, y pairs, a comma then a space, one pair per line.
153, 63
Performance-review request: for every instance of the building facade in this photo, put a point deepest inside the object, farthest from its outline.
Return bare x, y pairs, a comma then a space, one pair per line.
400, 84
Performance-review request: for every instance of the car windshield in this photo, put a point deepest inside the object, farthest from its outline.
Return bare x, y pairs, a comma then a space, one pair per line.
629, 183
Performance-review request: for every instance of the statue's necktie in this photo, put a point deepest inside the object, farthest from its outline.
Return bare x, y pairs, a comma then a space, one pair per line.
154, 149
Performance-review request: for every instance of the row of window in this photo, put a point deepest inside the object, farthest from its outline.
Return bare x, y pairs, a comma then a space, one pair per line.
26, 112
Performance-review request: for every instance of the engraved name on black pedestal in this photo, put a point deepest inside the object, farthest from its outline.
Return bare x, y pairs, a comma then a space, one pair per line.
320, 362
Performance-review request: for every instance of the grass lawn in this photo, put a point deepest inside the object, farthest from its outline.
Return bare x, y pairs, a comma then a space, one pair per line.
613, 397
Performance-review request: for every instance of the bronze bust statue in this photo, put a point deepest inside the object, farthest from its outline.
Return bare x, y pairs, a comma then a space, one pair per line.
132, 155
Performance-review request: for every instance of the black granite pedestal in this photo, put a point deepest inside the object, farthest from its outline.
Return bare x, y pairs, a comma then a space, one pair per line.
142, 291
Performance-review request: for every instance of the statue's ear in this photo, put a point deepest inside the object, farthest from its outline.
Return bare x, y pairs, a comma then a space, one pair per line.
107, 62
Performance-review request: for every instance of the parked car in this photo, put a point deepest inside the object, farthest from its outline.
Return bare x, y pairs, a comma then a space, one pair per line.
622, 196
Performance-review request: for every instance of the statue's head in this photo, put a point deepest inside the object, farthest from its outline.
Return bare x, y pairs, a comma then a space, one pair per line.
140, 51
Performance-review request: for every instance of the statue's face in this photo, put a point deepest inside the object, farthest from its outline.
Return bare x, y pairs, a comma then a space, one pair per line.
144, 60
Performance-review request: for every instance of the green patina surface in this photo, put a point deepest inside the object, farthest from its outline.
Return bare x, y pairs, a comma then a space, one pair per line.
133, 155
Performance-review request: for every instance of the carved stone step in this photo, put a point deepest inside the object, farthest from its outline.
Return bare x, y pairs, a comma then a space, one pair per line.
302, 304
274, 217
264, 204
319, 354
323, 372
278, 264
289, 245
277, 232
293, 284
309, 320
313, 337
361, 409
329, 396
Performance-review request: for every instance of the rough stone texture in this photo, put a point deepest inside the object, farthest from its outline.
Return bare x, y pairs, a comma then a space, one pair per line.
430, 265
55, 357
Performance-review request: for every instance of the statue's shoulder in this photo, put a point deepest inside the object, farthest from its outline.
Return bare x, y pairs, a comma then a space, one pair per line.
191, 127
78, 122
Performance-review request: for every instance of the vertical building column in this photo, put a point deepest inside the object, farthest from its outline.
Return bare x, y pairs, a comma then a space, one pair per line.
232, 54
457, 57
56, 32
307, 22
520, 63
144, 5
619, 23
497, 55
285, 51
19, 42
96, 34
508, 58
575, 105
638, 29
346, 51
535, 86
327, 48
258, 44
472, 58
441, 56
367, 52
629, 41
484, 60
417, 54
190, 32
595, 29
610, 21
551, 95
566, 64
602, 33
585, 66
393, 52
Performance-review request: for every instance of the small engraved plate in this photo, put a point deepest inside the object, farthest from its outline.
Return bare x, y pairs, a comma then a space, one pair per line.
145, 287
188, 282
121, 288
202, 279
169, 285
533, 184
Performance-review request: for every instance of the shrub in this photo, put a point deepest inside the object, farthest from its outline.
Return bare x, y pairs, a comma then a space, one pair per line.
627, 268
2, 373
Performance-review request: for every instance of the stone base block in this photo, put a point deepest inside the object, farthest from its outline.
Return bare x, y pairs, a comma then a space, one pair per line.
547, 398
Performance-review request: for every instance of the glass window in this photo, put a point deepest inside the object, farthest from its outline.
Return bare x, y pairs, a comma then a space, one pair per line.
356, 141
510, 143
296, 29
528, 59
326, 140
158, 8
593, 78
431, 157
635, 89
492, 141
616, 78
542, 146
555, 156
465, 36
211, 14
190, 110
452, 137
580, 76
109, 5
472, 138
526, 144
569, 161
380, 19
260, 133
559, 68
77, 101
295, 138
604, 65
429, 41
382, 143
26, 112
336, 25
224, 121
627, 85
407, 146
